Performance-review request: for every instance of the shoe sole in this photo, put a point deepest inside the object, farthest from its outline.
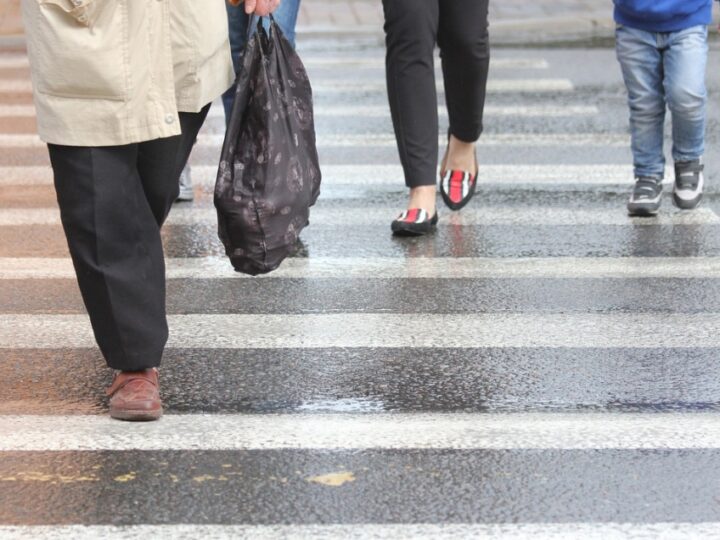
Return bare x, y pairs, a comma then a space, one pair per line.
644, 209
682, 204
643, 212
408, 230
136, 416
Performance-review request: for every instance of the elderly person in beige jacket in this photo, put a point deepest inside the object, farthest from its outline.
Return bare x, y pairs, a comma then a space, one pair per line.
121, 89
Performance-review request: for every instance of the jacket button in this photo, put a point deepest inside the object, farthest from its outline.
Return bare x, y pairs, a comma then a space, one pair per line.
169, 119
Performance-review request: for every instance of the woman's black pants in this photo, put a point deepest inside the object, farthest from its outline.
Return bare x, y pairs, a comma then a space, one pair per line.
412, 28
113, 201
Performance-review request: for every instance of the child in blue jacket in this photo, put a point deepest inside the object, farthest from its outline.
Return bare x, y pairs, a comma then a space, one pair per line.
662, 49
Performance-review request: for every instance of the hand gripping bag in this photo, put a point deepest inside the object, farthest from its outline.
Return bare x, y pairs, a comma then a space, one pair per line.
269, 173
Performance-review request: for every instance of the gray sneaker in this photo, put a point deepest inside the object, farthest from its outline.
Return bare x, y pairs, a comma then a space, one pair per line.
646, 196
186, 187
689, 183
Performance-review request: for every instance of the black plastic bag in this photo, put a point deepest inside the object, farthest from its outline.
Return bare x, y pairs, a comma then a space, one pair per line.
269, 172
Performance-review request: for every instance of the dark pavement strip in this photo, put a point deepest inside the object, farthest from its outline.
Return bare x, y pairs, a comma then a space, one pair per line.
407, 295
71, 381
387, 155
449, 241
392, 196
377, 486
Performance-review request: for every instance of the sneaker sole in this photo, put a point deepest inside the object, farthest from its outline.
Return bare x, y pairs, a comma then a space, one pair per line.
643, 211
682, 204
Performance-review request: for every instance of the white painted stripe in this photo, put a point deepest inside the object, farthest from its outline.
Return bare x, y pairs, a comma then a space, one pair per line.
381, 111
490, 139
364, 531
342, 431
388, 140
364, 140
21, 61
22, 86
327, 87
17, 110
391, 175
330, 86
366, 62
476, 215
13, 61
397, 267
310, 331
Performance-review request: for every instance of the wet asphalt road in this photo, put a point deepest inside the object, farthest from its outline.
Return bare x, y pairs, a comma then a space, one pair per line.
541, 298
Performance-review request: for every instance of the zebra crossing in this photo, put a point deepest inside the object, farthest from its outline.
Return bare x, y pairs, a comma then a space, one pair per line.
543, 367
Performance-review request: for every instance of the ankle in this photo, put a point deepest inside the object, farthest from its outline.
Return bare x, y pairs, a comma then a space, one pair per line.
423, 197
460, 155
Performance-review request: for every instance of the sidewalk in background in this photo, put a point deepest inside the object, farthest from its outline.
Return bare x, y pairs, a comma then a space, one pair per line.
512, 21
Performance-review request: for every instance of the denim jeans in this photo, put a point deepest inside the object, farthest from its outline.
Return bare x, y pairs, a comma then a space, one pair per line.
662, 70
285, 16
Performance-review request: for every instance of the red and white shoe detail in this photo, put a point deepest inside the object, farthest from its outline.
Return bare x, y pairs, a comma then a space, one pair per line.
414, 215
458, 186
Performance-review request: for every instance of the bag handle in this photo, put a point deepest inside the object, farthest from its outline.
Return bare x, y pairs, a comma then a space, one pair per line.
251, 22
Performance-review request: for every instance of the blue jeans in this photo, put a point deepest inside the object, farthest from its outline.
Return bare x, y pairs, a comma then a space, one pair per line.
662, 70
285, 16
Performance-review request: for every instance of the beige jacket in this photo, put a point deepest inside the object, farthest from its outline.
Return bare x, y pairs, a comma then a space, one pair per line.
113, 72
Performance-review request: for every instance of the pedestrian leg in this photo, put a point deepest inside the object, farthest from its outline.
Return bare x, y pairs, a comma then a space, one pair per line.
641, 64
685, 61
114, 241
465, 52
411, 31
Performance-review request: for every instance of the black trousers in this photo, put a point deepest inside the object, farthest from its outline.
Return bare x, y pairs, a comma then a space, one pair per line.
412, 28
113, 201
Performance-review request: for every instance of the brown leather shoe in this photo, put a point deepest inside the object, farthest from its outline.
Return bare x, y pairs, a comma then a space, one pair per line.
135, 396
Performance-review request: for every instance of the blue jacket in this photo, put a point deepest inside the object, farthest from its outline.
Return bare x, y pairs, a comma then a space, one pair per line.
663, 15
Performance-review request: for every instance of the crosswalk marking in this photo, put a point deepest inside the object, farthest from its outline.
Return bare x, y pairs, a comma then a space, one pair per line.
17, 110
364, 531
392, 175
494, 86
330, 86
398, 268
380, 216
491, 139
310, 61
362, 140
13, 61
15, 86
352, 424
460, 431
381, 111
353, 330
365, 62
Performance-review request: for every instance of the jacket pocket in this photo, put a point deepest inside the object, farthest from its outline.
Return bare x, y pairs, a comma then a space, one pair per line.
82, 49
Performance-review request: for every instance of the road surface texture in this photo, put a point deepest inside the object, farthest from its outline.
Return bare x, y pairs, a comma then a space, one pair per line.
542, 367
